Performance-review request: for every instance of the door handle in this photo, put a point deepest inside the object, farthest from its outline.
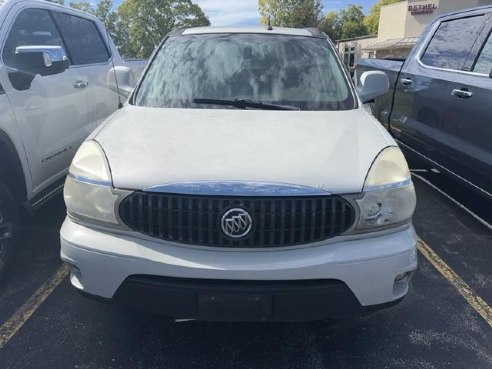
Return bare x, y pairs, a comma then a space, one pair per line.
406, 81
462, 94
81, 84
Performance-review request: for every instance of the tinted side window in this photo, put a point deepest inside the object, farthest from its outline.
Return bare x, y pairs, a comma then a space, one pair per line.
32, 27
452, 43
484, 62
84, 42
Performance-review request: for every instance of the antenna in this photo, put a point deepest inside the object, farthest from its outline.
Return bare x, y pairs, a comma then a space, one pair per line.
269, 28
120, 104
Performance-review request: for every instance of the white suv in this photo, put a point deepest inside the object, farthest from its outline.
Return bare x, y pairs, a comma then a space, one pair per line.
244, 180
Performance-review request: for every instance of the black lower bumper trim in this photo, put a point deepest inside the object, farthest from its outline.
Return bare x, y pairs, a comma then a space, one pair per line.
224, 300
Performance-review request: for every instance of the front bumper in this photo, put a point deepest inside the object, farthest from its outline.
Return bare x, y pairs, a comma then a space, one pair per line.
307, 283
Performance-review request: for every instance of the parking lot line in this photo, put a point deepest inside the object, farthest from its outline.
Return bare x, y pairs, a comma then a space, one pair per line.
475, 301
17, 320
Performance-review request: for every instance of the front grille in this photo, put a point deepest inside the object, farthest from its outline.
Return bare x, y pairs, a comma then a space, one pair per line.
277, 221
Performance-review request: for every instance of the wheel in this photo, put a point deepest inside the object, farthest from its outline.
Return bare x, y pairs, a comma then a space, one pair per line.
9, 227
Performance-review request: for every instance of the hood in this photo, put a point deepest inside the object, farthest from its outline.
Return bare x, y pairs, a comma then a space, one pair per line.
325, 150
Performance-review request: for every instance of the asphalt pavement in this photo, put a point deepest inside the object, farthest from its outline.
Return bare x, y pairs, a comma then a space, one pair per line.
434, 327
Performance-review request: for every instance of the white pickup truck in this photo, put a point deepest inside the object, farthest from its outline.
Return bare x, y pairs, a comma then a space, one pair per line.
60, 76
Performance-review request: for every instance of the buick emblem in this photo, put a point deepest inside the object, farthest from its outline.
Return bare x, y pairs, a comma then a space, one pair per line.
236, 223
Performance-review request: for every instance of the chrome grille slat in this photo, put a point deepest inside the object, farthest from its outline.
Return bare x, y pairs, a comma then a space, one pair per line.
180, 219
210, 218
293, 220
313, 218
190, 219
200, 220
283, 204
323, 216
303, 215
170, 217
333, 211
272, 222
160, 213
277, 221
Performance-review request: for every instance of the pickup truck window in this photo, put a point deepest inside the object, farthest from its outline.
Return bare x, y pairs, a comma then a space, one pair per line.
451, 44
295, 71
85, 44
31, 27
484, 62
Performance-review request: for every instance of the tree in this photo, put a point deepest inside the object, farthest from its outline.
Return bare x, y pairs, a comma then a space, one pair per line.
330, 24
351, 22
113, 24
147, 22
111, 20
84, 6
347, 23
371, 21
290, 13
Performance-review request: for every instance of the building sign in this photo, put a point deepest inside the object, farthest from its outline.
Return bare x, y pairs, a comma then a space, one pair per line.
422, 9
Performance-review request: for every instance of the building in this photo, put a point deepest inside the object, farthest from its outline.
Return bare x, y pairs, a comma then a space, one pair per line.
400, 26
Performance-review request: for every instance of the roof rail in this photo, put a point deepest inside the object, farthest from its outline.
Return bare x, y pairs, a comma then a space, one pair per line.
178, 31
314, 31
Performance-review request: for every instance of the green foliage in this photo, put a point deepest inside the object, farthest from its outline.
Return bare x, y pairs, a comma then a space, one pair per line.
371, 21
352, 22
103, 10
347, 23
84, 6
137, 27
290, 13
330, 24
145, 23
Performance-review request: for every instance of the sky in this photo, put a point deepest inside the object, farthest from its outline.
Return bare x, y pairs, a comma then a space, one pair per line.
245, 12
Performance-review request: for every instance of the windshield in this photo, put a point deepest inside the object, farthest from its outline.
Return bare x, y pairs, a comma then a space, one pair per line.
301, 72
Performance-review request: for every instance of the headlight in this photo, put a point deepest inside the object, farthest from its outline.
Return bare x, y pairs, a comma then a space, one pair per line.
388, 198
88, 193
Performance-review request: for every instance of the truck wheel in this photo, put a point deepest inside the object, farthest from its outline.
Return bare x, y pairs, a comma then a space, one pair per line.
9, 227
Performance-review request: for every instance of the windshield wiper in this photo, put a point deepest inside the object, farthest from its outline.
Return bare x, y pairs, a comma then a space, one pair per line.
245, 103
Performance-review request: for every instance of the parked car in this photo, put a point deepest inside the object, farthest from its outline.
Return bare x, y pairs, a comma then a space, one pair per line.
439, 101
58, 71
244, 180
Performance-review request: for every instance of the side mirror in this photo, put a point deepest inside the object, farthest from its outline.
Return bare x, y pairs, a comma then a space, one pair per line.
372, 84
43, 60
121, 80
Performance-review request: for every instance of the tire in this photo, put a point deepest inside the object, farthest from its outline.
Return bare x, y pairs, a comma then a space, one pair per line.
9, 227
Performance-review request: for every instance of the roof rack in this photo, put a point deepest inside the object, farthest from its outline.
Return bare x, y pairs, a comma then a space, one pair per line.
178, 31
314, 32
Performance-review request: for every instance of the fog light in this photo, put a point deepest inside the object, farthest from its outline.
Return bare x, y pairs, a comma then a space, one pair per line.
75, 276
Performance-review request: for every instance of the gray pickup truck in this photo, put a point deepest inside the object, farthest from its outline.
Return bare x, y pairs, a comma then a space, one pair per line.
60, 77
440, 100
